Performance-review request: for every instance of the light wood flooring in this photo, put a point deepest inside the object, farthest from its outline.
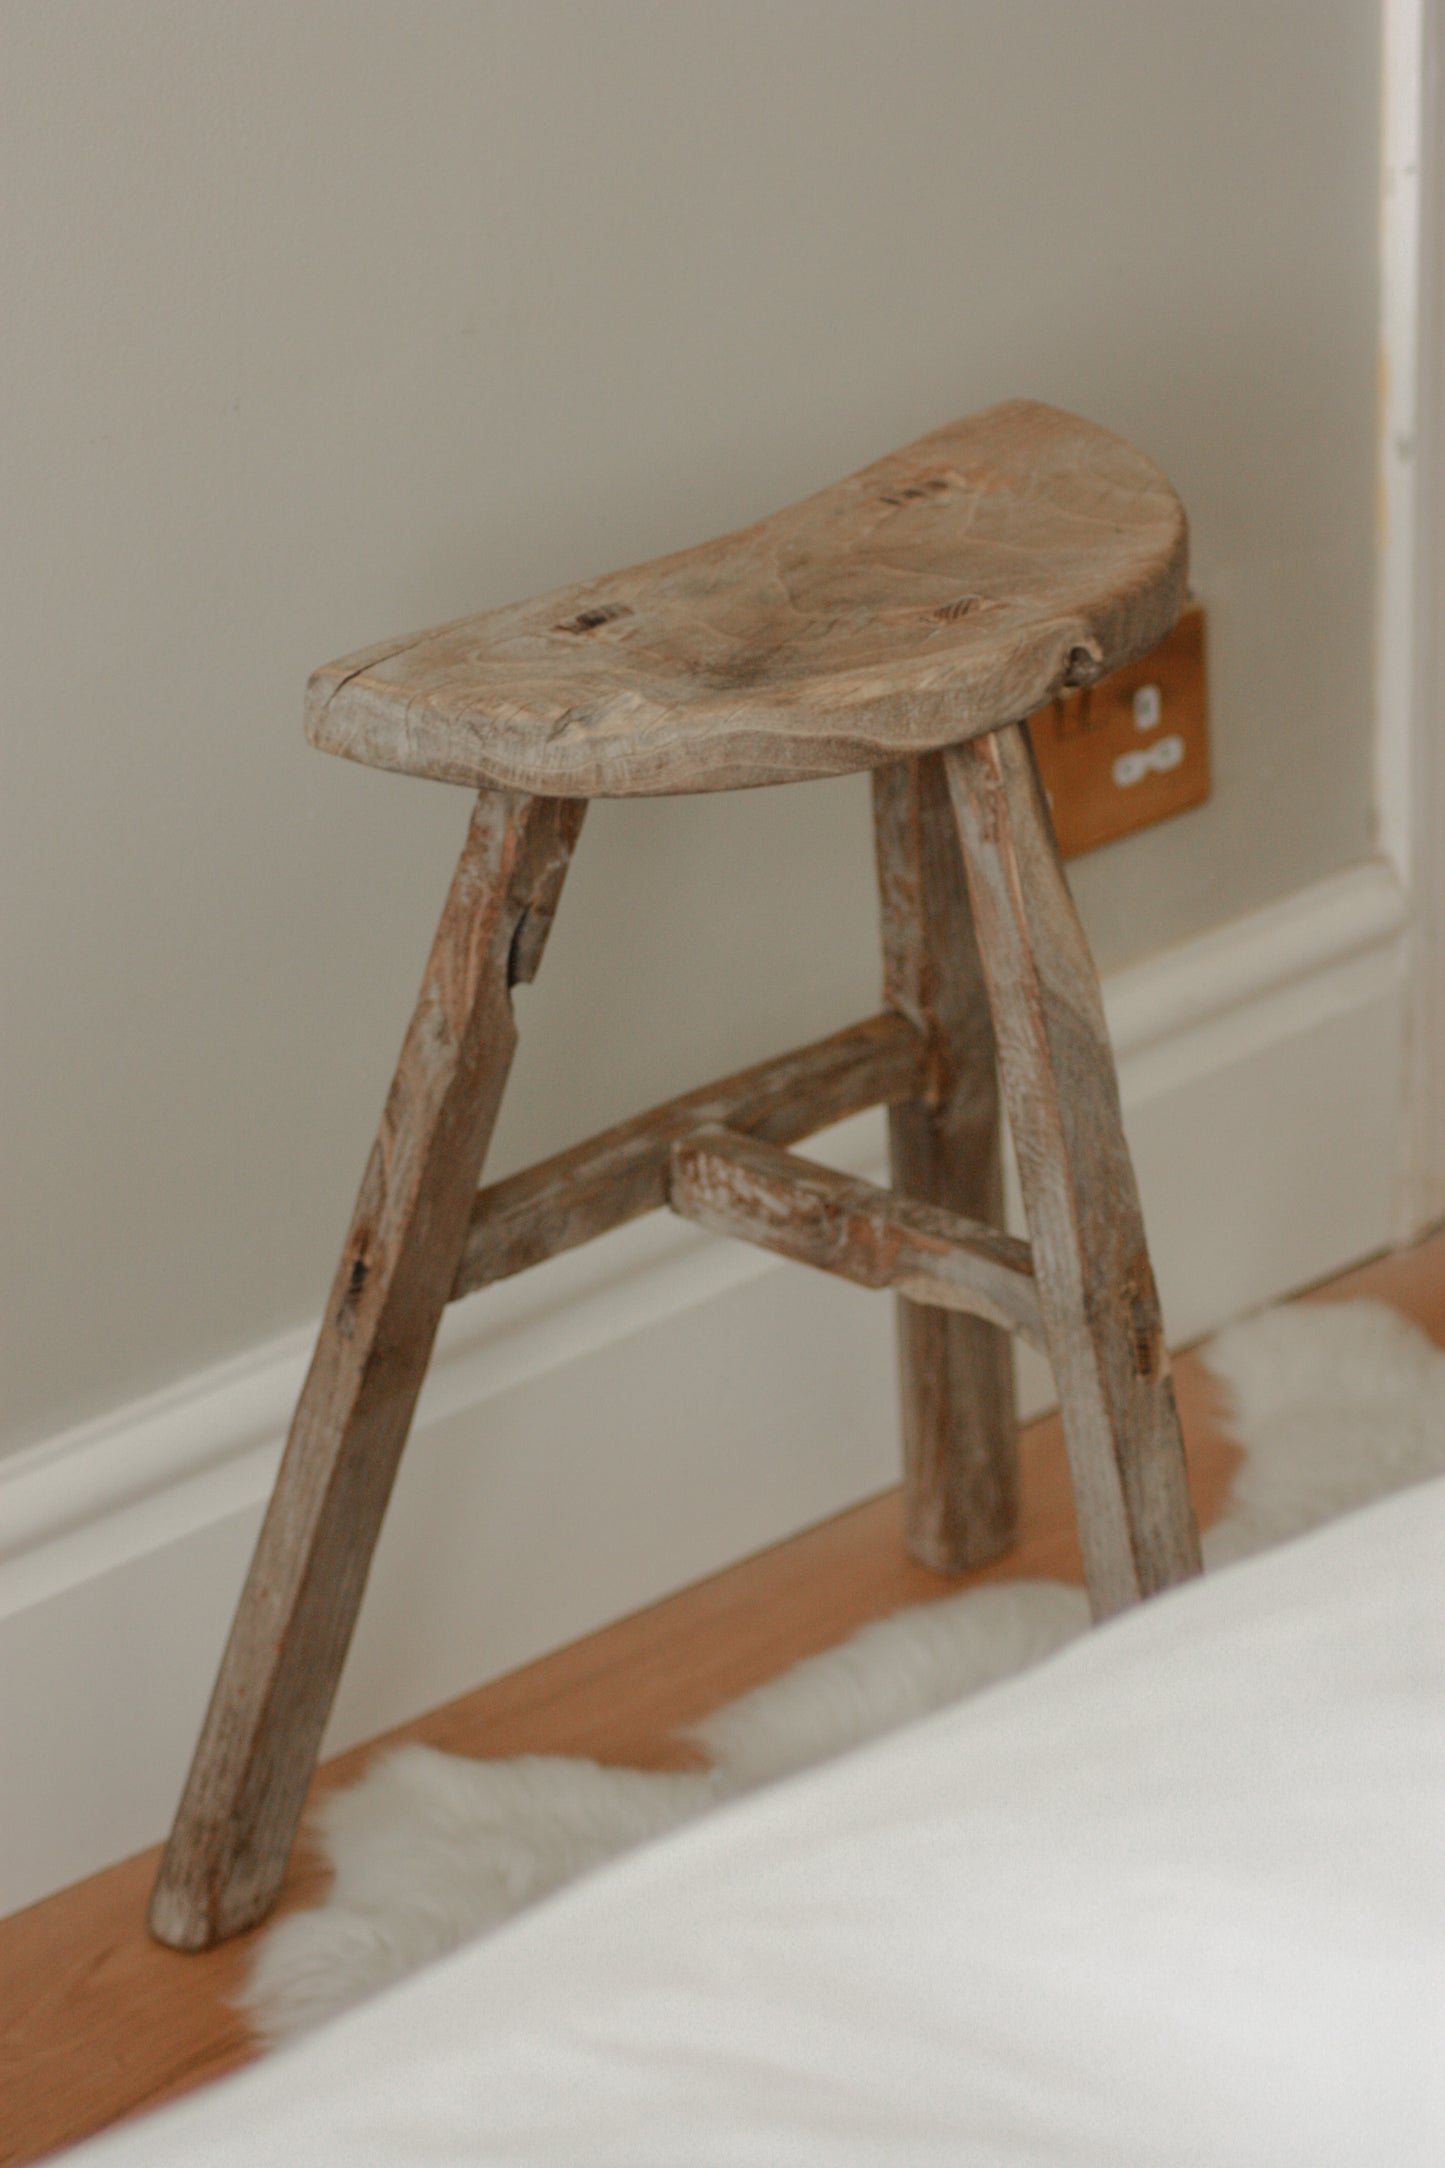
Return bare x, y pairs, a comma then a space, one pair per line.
97, 2021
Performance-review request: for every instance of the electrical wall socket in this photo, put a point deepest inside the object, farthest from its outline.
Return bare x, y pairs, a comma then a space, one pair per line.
1132, 749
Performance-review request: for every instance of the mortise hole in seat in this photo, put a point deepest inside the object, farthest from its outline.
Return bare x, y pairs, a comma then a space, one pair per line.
927, 485
590, 620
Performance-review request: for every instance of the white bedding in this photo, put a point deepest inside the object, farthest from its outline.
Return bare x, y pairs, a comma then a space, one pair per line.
1176, 1897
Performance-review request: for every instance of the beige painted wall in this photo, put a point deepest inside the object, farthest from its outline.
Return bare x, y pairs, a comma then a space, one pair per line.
322, 322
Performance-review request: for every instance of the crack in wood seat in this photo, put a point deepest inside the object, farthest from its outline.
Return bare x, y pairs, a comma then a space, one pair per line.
953, 586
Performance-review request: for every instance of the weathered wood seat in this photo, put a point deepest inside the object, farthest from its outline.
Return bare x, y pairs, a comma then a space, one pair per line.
904, 621
954, 585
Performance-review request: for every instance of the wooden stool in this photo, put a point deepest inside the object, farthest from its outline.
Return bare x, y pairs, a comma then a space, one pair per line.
902, 621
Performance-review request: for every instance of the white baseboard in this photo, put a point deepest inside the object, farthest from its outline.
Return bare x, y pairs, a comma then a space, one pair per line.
628, 1418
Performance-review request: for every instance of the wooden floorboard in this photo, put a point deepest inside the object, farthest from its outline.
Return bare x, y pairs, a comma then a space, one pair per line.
97, 2021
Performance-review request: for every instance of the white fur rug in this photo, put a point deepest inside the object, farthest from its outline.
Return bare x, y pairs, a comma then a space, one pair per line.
1334, 1404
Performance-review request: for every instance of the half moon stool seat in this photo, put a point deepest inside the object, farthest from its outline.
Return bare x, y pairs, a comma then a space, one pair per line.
904, 621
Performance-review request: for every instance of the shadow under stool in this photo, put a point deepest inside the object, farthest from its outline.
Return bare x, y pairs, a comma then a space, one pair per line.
902, 621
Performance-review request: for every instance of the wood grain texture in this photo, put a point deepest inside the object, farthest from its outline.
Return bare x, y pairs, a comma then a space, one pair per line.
945, 589
623, 1173
755, 1192
1096, 1286
227, 1854
956, 1376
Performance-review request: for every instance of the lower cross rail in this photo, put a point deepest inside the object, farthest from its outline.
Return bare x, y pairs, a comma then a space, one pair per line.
738, 1185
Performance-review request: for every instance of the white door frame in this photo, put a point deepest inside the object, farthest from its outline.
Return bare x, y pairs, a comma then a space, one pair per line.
1410, 646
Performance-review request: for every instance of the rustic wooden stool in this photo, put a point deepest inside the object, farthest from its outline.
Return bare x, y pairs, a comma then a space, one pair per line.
902, 621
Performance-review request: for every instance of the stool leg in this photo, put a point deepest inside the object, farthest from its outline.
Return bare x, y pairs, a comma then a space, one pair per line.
1096, 1287
227, 1854
960, 1444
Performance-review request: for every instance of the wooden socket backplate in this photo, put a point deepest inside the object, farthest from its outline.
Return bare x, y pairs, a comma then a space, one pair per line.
1115, 757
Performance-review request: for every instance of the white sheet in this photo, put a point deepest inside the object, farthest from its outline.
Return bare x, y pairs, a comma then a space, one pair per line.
1177, 1898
